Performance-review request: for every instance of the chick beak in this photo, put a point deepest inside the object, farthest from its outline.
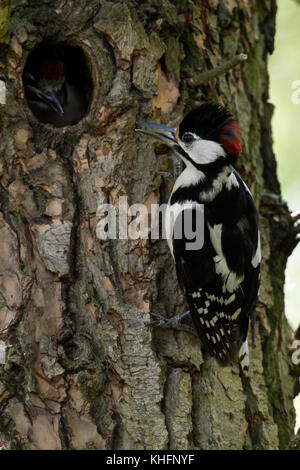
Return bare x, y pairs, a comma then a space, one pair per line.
50, 98
165, 134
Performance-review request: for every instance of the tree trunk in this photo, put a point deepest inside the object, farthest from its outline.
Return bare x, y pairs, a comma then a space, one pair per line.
81, 369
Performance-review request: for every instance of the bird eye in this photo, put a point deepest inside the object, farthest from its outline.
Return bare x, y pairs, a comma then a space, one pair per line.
187, 137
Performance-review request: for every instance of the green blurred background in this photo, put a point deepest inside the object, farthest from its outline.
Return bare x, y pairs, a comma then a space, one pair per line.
284, 69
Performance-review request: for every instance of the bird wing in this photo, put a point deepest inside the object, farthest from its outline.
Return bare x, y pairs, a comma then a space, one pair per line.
221, 279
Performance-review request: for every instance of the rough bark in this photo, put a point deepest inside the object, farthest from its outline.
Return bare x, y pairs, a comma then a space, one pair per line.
4, 20
82, 369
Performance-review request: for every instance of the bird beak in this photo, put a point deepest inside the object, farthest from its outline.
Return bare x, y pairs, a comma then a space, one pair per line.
51, 98
165, 134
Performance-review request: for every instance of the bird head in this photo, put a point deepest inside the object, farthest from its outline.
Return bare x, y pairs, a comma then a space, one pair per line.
44, 88
208, 134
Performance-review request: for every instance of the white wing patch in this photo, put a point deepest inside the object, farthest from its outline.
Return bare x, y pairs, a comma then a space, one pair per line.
220, 300
231, 279
232, 181
257, 257
171, 214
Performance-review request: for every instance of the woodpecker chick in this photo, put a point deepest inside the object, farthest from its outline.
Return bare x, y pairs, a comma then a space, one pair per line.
51, 97
220, 279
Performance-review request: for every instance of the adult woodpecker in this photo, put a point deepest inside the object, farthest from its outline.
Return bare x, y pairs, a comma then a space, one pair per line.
51, 97
221, 279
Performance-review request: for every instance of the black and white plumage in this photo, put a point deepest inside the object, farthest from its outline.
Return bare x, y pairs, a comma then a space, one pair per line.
221, 279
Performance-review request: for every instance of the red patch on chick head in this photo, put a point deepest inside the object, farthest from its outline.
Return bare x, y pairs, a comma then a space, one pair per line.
230, 139
52, 70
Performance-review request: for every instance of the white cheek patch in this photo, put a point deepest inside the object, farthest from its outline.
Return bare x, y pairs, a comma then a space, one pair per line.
203, 151
190, 176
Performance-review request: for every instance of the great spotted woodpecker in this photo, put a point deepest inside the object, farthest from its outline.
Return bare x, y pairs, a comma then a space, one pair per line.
220, 279
50, 95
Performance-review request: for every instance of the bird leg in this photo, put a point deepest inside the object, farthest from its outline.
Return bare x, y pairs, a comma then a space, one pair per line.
173, 322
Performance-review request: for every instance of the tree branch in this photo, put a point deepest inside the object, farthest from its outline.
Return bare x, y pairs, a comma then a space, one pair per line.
217, 71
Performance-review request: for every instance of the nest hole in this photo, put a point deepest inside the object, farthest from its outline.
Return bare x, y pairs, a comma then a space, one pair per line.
58, 83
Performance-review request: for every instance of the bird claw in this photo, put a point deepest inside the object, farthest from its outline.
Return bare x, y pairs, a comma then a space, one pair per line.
168, 176
172, 177
173, 322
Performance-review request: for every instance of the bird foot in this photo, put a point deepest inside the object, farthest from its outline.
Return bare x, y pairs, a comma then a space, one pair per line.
173, 322
168, 176
172, 176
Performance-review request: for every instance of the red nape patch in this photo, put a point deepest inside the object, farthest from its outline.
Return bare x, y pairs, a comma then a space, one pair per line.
230, 139
52, 70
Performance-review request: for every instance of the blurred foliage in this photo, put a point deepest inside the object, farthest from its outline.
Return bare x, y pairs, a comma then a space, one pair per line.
284, 68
